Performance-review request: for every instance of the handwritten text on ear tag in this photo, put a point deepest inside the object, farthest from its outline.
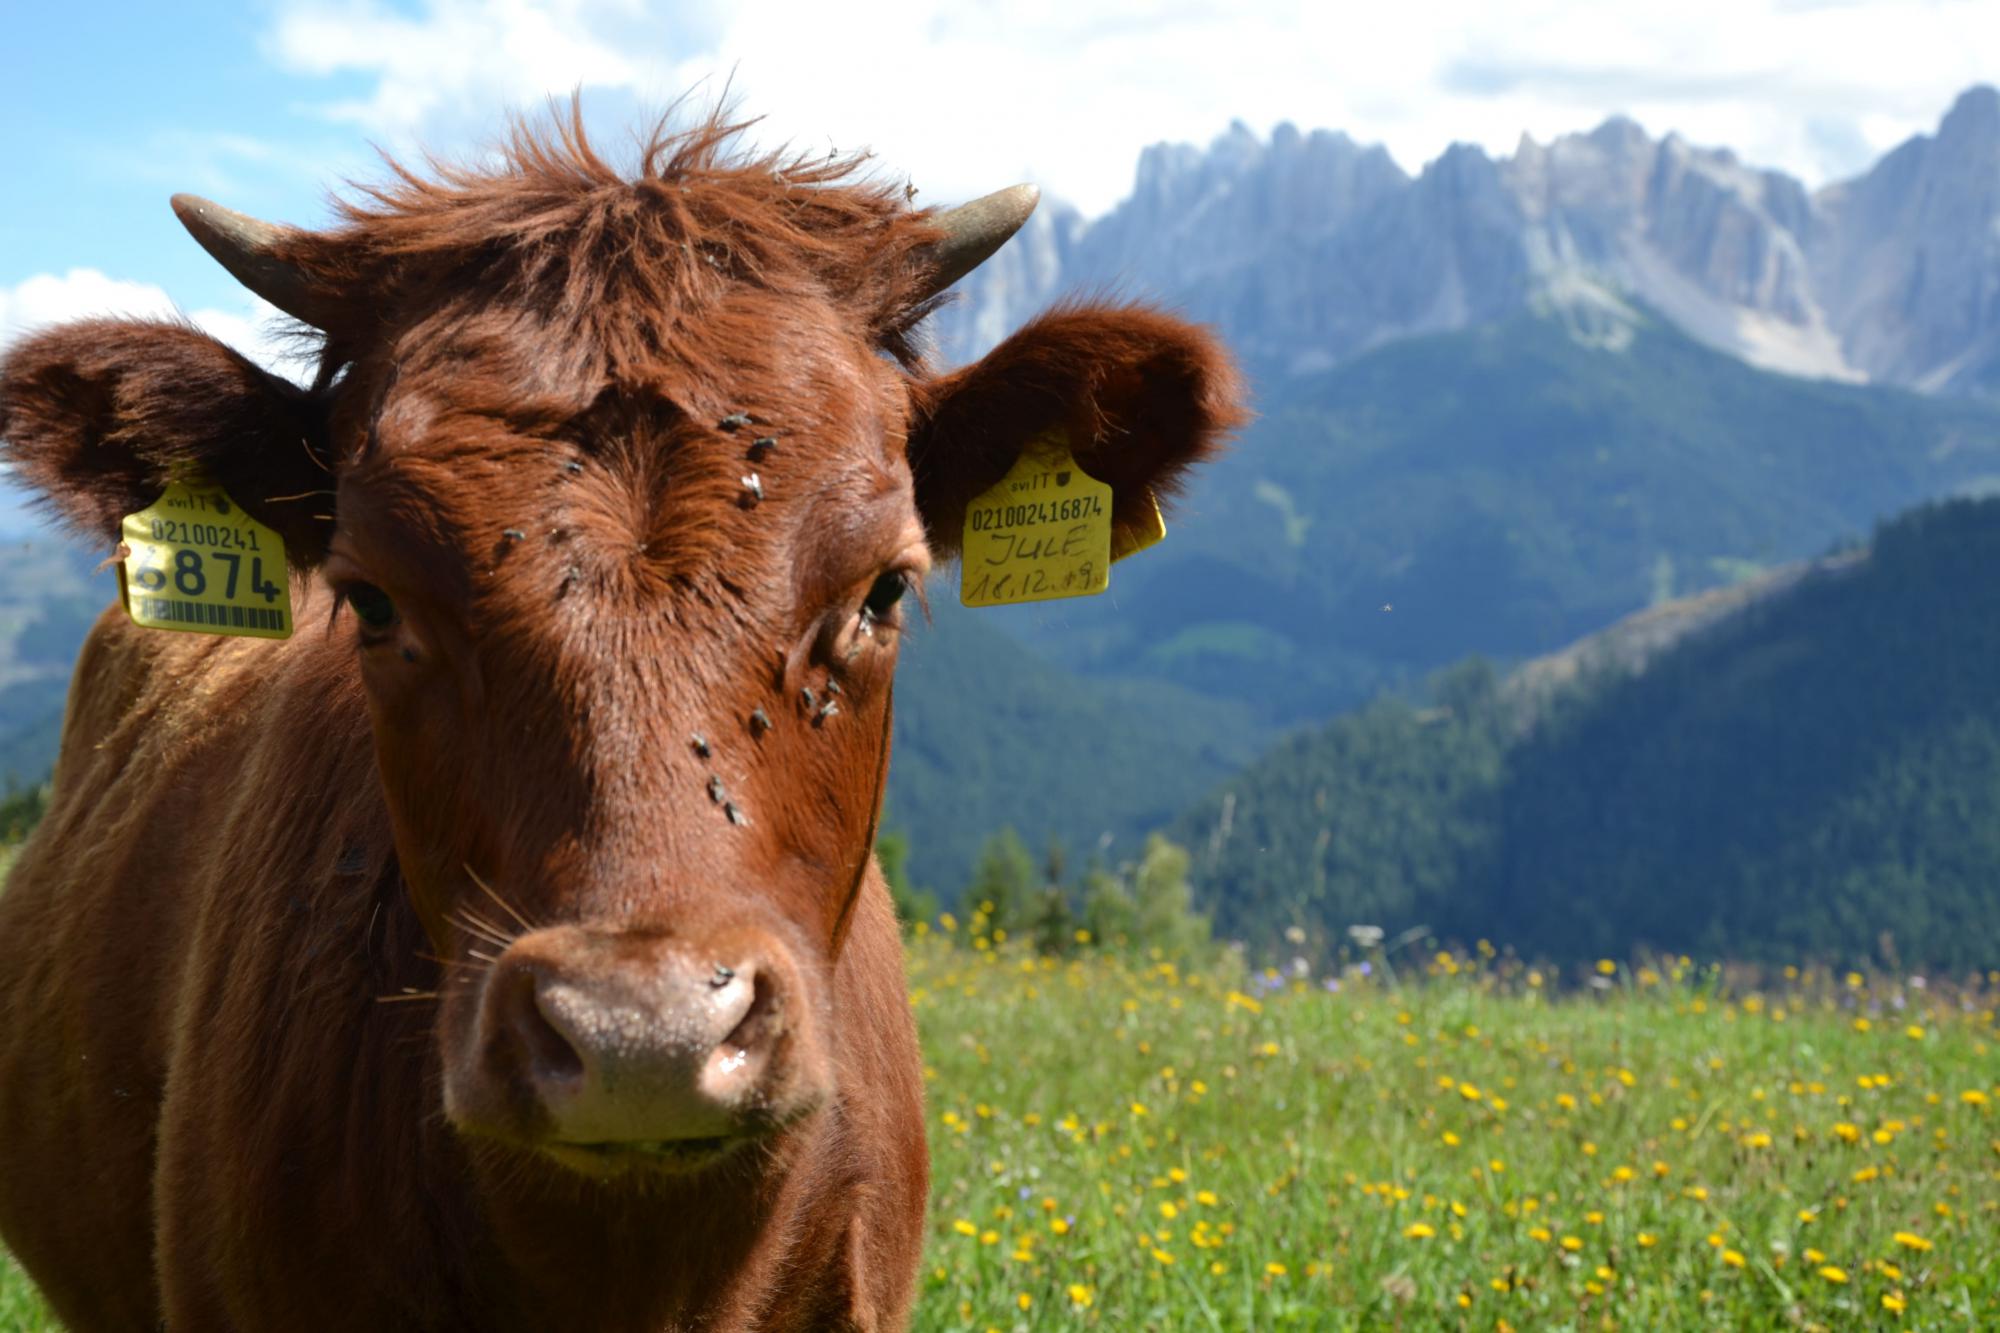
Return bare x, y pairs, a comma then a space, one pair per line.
198, 563
1042, 532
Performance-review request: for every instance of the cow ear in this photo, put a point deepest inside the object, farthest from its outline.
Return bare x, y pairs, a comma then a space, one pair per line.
1141, 396
99, 416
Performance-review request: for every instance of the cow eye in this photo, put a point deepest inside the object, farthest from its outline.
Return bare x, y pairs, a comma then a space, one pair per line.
882, 598
372, 606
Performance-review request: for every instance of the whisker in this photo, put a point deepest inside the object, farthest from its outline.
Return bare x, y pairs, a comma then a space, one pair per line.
479, 928
412, 995
499, 931
452, 963
306, 444
504, 905
482, 957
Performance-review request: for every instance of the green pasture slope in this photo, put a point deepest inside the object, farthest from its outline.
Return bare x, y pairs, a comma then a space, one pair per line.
1151, 1145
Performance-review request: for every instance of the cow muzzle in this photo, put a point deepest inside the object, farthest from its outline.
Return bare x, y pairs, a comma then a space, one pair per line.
615, 1051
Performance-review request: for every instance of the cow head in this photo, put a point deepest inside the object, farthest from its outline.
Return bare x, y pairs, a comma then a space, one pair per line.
623, 491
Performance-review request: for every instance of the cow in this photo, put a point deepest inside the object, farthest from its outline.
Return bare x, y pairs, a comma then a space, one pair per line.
505, 949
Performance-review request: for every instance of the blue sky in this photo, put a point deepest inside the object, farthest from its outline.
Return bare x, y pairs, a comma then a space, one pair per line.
266, 105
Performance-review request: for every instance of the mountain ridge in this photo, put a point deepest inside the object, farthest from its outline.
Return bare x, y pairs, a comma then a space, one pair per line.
1308, 248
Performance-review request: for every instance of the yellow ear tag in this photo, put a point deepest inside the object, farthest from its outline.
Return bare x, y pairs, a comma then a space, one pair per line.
1130, 541
198, 563
1042, 532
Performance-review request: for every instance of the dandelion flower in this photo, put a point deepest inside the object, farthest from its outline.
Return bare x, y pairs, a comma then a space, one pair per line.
1910, 1240
1837, 1276
1419, 1231
1080, 1295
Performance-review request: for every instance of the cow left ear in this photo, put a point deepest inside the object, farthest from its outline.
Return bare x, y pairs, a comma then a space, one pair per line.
1141, 396
99, 416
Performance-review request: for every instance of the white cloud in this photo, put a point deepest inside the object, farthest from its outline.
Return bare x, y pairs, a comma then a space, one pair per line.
460, 56
965, 97
85, 293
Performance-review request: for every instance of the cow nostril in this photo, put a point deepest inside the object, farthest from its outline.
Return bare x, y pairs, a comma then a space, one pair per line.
724, 974
760, 1022
551, 1059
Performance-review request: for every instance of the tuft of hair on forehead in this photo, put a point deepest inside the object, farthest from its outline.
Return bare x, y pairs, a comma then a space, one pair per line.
626, 260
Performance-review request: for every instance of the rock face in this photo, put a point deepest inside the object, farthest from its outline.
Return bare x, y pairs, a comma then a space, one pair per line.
1908, 256
1308, 248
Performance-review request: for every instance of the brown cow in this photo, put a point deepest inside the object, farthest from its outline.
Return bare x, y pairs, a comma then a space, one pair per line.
506, 952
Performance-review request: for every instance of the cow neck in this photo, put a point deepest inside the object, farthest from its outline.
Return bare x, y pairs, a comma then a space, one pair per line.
867, 857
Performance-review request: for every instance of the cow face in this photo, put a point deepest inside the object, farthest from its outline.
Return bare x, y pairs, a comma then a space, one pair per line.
633, 488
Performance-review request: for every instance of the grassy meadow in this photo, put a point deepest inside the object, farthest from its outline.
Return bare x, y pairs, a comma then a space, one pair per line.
1153, 1145
1147, 1146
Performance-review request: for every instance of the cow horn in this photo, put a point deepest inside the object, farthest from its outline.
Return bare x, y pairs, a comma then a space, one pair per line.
244, 245
974, 231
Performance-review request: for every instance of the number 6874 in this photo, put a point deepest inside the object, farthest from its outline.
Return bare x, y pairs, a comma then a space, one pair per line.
190, 574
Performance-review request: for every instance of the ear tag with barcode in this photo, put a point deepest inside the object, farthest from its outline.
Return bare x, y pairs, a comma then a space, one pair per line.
1042, 532
196, 562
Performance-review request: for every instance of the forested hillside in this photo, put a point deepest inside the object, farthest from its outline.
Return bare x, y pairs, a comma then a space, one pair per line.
989, 736
1817, 775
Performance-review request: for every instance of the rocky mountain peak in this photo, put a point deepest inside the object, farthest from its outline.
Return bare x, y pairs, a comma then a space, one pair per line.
1973, 121
1307, 247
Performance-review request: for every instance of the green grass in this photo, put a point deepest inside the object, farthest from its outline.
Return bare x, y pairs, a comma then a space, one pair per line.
1148, 1147
1462, 1153
21, 1310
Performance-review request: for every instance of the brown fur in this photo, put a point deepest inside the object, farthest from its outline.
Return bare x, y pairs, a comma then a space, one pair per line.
217, 1108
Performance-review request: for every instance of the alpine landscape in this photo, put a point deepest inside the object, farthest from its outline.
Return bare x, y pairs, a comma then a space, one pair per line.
1570, 709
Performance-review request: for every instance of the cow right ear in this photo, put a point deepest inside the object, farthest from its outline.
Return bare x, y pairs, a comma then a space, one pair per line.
99, 416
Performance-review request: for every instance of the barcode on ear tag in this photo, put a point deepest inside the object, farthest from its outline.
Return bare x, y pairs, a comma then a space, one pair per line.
1042, 532
197, 563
